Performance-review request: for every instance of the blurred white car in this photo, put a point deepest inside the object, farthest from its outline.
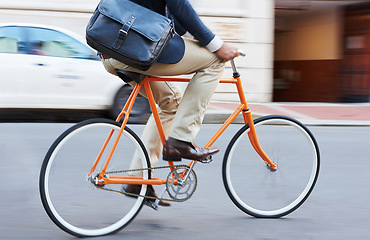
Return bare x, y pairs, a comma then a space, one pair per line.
50, 68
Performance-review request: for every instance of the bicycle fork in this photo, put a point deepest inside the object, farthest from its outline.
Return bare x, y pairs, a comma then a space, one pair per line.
248, 119
252, 135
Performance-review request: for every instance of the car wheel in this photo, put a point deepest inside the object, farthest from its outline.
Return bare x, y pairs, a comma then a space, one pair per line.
140, 111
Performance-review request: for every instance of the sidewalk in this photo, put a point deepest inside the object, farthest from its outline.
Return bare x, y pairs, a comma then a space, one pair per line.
332, 114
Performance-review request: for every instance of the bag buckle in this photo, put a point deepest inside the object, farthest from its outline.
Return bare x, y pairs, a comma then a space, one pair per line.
123, 32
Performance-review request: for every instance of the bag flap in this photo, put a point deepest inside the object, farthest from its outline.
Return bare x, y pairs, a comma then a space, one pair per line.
148, 23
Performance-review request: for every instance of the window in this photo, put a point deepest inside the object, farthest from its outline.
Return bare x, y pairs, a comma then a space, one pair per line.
12, 40
50, 42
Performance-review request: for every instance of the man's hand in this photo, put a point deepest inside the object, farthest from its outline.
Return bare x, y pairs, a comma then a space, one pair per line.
227, 52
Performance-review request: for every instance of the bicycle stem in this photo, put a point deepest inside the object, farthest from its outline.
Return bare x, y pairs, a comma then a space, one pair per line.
233, 66
235, 71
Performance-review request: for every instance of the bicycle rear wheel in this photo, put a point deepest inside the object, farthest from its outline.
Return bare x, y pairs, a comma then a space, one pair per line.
70, 199
254, 188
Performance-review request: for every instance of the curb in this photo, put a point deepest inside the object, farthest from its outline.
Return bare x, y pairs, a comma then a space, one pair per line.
219, 118
310, 114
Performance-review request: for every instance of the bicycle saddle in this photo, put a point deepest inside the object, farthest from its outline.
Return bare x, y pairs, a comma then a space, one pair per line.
130, 76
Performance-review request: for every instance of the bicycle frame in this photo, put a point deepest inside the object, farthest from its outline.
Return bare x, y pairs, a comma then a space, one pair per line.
242, 108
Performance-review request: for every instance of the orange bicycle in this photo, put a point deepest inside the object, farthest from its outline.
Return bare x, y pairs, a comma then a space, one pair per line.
85, 169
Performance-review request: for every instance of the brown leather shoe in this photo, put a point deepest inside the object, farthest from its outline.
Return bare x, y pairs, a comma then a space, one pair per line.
135, 189
174, 150
151, 193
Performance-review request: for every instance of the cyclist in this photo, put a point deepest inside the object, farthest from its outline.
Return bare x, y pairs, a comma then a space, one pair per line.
204, 55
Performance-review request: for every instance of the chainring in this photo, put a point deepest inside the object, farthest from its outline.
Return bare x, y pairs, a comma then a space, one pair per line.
178, 188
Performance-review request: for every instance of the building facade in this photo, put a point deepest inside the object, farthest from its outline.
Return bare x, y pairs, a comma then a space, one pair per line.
248, 24
304, 51
322, 51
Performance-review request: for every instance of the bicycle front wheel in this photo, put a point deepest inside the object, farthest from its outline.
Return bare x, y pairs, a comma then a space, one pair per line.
70, 198
257, 190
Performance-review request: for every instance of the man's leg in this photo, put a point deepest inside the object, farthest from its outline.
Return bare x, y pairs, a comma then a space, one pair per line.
171, 96
167, 96
208, 69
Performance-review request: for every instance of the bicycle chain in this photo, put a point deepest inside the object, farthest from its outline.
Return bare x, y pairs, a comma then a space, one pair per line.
138, 195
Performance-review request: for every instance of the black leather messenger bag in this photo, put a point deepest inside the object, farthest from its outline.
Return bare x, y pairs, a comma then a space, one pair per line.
129, 32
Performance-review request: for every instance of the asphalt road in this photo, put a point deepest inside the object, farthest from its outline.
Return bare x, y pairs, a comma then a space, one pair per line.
337, 209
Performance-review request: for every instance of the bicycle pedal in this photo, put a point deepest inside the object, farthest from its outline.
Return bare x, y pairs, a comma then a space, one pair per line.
207, 159
151, 204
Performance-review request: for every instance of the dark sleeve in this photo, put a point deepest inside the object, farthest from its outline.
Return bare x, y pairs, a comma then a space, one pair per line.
189, 20
178, 27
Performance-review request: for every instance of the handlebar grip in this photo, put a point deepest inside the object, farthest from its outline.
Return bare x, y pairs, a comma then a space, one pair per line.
242, 53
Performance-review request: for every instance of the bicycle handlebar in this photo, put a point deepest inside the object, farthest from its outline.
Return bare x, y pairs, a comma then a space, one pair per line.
241, 53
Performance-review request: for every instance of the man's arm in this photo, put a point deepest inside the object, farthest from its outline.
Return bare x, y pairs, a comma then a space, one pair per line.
186, 16
188, 20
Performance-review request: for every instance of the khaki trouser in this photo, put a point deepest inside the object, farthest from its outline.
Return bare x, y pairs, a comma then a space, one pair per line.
181, 116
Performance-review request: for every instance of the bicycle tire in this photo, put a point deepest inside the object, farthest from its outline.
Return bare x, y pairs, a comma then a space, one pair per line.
254, 188
72, 202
